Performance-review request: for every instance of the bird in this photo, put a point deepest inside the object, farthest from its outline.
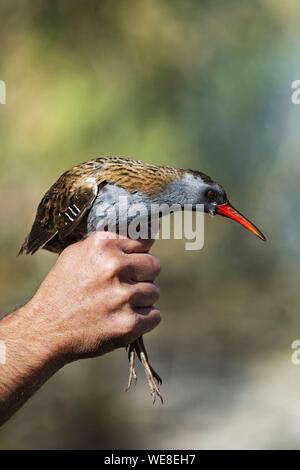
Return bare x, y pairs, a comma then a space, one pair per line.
80, 202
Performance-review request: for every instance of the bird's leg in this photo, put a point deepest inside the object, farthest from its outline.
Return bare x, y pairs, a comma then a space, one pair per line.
155, 374
151, 375
132, 372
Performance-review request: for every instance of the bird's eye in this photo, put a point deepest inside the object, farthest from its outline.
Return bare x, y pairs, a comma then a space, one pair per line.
210, 194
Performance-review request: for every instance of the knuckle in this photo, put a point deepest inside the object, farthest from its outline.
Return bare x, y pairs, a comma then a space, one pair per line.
130, 294
125, 295
103, 244
113, 265
129, 323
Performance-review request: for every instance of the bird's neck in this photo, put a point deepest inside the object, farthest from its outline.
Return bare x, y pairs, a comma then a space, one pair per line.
185, 189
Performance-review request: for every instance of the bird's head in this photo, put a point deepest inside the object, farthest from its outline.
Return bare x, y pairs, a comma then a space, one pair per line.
215, 201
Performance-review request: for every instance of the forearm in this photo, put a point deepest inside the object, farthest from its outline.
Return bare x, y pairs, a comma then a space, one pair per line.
31, 358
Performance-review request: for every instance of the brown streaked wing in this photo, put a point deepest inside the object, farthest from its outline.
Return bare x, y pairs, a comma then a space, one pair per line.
61, 210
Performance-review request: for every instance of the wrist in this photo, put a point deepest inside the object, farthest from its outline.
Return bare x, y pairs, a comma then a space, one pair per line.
31, 358
29, 338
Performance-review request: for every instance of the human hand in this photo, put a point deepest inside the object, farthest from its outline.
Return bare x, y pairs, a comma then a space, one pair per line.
98, 296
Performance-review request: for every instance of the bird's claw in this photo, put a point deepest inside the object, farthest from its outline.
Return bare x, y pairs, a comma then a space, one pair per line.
132, 378
155, 392
151, 376
153, 379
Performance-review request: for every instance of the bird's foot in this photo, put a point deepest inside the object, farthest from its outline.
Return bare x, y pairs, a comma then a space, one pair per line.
151, 376
153, 379
132, 378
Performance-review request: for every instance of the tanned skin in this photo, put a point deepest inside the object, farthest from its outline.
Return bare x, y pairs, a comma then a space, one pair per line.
99, 296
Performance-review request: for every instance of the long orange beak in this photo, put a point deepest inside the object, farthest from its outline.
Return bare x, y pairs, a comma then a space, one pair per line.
226, 210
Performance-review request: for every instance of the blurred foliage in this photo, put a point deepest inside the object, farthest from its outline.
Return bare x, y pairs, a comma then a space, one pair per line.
196, 84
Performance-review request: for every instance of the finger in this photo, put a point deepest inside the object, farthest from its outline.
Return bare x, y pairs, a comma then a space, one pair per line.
128, 245
147, 318
142, 267
144, 294
105, 241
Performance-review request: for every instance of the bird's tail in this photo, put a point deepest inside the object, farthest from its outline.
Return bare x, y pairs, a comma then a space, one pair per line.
24, 247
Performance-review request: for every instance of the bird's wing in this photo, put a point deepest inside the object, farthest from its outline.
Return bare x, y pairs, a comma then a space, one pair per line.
61, 210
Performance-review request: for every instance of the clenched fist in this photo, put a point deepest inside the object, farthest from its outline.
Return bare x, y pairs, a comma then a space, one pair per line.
99, 296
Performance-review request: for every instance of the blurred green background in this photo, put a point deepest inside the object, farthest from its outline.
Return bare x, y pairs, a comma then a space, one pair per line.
198, 84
